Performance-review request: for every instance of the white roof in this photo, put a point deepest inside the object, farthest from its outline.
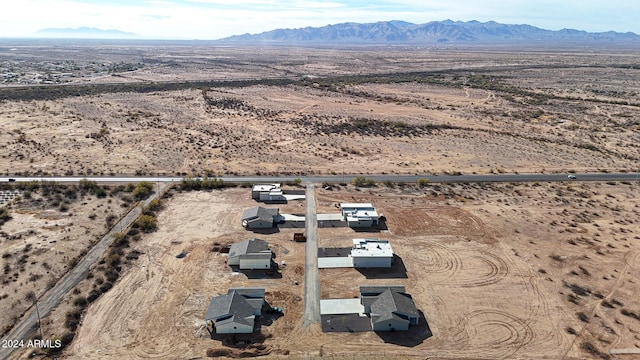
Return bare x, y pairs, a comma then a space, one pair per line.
265, 187
371, 248
341, 306
335, 262
362, 214
357, 205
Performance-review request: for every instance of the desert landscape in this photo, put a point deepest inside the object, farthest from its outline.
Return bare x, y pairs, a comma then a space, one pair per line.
498, 271
514, 270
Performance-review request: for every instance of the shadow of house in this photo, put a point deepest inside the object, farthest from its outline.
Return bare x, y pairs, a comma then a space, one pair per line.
272, 273
414, 336
397, 270
332, 224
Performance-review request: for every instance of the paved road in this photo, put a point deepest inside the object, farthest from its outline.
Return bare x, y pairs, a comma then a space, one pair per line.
347, 178
49, 300
311, 279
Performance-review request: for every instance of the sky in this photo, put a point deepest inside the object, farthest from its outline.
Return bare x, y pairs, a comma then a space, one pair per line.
214, 19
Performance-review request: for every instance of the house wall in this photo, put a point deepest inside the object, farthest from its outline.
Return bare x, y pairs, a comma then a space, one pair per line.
250, 264
371, 262
259, 224
234, 328
360, 223
391, 325
235, 260
255, 194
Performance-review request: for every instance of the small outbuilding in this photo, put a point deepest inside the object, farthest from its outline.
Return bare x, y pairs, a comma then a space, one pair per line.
259, 217
267, 192
250, 255
359, 215
371, 253
235, 312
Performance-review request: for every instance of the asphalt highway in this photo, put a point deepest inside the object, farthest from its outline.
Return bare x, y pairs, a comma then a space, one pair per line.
631, 176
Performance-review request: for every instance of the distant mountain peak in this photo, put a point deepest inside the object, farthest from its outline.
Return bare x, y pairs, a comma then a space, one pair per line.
434, 32
85, 32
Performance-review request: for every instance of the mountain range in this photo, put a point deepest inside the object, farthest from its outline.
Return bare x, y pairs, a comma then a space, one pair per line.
434, 32
85, 33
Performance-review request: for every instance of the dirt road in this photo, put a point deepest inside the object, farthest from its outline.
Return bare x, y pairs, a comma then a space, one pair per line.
53, 297
311, 281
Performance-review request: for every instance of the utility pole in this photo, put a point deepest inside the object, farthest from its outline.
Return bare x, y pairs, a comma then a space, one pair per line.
38, 314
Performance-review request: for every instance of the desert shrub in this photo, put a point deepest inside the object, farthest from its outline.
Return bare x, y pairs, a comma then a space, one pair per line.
361, 181
142, 190
30, 296
630, 314
100, 192
110, 219
72, 319
80, 301
93, 295
146, 223
297, 181
4, 216
86, 185
593, 350
422, 182
153, 207
65, 340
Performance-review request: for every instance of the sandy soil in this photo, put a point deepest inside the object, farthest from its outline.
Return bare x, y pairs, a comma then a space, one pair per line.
480, 116
40, 242
499, 271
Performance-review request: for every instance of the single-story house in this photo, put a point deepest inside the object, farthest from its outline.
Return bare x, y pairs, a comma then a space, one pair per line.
267, 192
259, 217
371, 253
250, 254
390, 307
235, 312
359, 215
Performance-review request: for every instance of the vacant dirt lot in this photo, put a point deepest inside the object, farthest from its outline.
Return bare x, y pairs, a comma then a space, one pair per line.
499, 271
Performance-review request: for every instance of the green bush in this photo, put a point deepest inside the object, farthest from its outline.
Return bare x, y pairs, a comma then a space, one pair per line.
4, 216
422, 182
146, 223
361, 181
143, 190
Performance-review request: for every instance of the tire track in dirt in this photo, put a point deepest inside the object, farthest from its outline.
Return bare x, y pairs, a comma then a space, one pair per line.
510, 332
441, 260
495, 269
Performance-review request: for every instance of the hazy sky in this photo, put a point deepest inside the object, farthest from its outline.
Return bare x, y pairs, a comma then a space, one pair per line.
213, 19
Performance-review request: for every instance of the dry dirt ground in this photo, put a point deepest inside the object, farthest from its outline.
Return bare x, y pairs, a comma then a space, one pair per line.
499, 271
43, 239
474, 111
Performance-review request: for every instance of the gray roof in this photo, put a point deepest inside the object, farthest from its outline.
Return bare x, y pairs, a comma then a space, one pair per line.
377, 290
258, 256
259, 212
250, 246
238, 304
394, 303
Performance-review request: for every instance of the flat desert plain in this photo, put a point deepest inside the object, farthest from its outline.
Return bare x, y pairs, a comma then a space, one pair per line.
512, 270
395, 112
